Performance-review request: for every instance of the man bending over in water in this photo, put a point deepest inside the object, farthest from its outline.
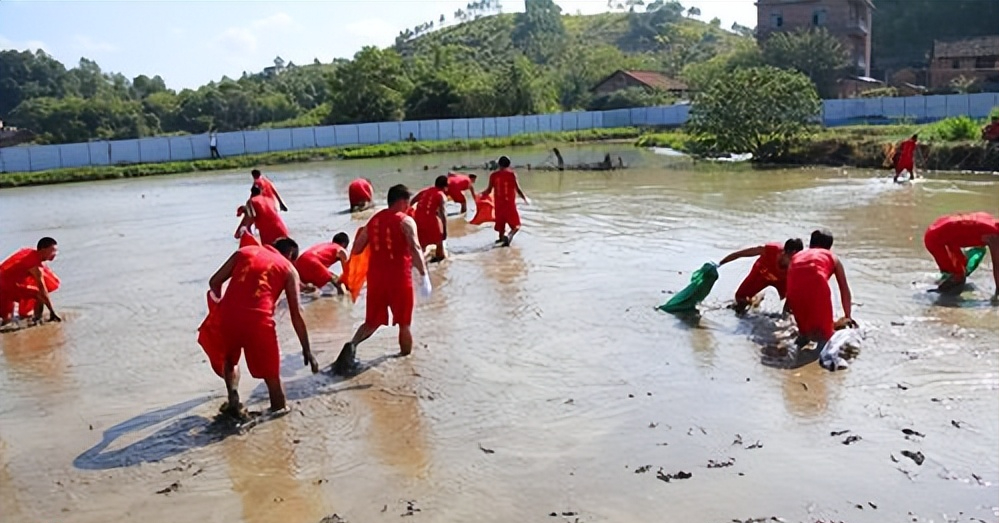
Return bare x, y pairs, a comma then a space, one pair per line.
257, 276
946, 237
431, 217
457, 184
361, 194
769, 270
391, 234
267, 189
808, 293
314, 264
22, 281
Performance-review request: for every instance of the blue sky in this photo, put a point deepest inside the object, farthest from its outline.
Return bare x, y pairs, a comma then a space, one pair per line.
189, 43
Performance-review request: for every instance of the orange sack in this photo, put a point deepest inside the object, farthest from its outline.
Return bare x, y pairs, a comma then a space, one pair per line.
484, 211
210, 337
355, 271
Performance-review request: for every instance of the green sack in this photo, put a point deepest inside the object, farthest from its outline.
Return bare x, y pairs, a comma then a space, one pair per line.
700, 286
975, 255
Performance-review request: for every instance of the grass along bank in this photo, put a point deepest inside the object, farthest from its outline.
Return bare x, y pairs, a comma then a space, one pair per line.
83, 174
953, 144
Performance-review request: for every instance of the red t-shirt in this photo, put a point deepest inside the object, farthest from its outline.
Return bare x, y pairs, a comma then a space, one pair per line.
267, 189
458, 182
906, 151
390, 262
267, 220
768, 264
966, 230
324, 253
17, 267
428, 203
257, 281
504, 182
811, 264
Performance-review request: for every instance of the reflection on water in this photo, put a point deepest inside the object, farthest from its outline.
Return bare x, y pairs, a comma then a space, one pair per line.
542, 375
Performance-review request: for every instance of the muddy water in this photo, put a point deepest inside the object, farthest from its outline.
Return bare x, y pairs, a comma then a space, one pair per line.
542, 378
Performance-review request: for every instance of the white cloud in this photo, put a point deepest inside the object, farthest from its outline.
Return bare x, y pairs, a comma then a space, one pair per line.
30, 45
88, 44
238, 41
279, 20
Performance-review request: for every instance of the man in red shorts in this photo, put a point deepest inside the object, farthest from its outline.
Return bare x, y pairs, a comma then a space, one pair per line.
949, 234
267, 189
265, 217
431, 217
245, 314
394, 249
504, 182
769, 270
314, 264
457, 184
808, 293
22, 280
361, 195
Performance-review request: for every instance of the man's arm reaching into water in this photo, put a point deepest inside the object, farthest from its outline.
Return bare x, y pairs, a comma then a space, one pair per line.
745, 253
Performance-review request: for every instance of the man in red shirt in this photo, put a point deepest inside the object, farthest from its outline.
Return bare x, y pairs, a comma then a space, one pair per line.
945, 238
242, 320
314, 264
905, 158
390, 236
991, 132
361, 195
504, 182
769, 270
808, 293
457, 184
267, 189
431, 217
22, 280
264, 216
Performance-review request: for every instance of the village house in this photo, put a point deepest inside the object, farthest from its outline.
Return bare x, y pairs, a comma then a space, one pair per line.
974, 59
648, 80
847, 20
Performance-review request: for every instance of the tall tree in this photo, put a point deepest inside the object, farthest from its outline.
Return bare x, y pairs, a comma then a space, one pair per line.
371, 88
815, 53
539, 31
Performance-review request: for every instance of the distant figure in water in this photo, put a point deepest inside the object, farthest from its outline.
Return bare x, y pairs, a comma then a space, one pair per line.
260, 212
395, 249
769, 270
606, 164
808, 293
905, 157
558, 156
990, 133
242, 321
314, 264
945, 238
457, 184
267, 189
361, 194
22, 281
431, 217
620, 163
504, 182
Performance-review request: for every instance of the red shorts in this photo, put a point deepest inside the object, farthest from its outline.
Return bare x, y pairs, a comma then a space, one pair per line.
457, 196
313, 272
754, 284
507, 217
384, 297
15, 294
254, 336
429, 231
811, 304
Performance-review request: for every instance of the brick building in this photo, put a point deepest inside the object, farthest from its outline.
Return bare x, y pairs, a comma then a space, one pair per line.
649, 80
973, 58
848, 20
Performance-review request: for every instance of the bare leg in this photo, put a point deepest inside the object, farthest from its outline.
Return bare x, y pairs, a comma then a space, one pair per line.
346, 362
405, 340
276, 392
232, 389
